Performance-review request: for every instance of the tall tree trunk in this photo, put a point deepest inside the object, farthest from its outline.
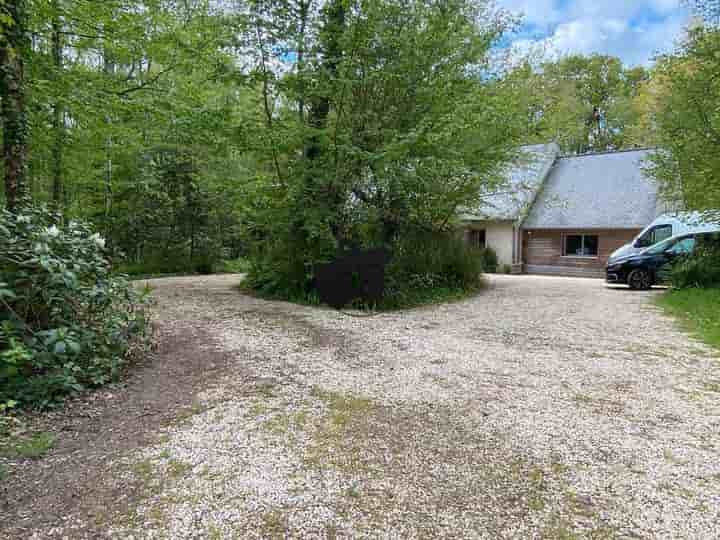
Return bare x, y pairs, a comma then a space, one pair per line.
330, 37
58, 112
303, 12
109, 69
13, 48
331, 48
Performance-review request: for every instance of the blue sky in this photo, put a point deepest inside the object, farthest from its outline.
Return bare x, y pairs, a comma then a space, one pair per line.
634, 30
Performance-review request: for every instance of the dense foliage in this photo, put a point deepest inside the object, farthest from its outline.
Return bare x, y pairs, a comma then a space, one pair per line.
584, 103
66, 322
686, 121
372, 135
427, 267
131, 109
488, 260
700, 270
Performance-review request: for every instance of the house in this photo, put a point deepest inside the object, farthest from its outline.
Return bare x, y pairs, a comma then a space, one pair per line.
496, 221
572, 212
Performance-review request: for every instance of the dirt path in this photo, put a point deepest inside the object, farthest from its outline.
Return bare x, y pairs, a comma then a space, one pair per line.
543, 408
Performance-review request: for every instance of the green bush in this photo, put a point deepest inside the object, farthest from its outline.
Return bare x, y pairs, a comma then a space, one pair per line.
67, 322
204, 265
488, 260
429, 267
425, 268
280, 271
700, 270
233, 266
159, 264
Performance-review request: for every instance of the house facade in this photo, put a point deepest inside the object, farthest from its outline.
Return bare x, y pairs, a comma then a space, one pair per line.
496, 222
572, 213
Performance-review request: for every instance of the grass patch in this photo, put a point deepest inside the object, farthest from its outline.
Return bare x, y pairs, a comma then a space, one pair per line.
144, 470
343, 409
274, 524
698, 310
32, 447
214, 533
338, 441
177, 468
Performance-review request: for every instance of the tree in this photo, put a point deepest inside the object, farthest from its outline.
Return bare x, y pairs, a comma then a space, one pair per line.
396, 129
585, 103
119, 94
686, 121
14, 47
709, 10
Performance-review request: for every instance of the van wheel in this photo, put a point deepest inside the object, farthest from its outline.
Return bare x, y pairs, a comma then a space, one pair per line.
639, 280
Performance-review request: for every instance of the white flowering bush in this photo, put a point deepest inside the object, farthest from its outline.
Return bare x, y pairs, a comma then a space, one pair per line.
66, 322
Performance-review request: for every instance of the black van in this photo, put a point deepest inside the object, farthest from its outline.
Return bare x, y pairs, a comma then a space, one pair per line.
652, 266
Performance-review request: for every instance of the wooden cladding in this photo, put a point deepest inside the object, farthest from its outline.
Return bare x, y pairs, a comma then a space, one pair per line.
545, 247
541, 247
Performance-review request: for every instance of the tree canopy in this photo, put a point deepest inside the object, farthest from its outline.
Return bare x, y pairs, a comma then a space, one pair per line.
685, 119
585, 103
367, 132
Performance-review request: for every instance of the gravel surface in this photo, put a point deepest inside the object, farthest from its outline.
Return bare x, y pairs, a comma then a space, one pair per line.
542, 408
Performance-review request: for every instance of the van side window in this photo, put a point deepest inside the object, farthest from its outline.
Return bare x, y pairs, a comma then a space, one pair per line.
654, 235
684, 246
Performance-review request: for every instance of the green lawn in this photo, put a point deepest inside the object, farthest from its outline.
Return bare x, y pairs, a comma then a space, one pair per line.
699, 311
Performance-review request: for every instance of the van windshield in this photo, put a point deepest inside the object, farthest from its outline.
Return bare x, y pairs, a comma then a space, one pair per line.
654, 235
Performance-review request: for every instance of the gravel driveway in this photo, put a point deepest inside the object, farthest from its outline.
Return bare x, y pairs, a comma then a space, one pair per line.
542, 408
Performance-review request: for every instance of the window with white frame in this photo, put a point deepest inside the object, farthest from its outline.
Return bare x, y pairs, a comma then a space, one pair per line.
580, 245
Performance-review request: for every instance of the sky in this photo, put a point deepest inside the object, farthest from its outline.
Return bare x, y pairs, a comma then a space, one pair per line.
634, 30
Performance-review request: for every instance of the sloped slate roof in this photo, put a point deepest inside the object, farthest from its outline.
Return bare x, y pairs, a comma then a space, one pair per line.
596, 191
523, 179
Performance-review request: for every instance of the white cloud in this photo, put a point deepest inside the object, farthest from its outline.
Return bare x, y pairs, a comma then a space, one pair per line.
635, 31
537, 12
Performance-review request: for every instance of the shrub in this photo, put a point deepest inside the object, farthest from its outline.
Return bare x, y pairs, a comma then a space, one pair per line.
506, 269
204, 265
67, 323
488, 260
280, 272
700, 270
427, 267
232, 266
158, 264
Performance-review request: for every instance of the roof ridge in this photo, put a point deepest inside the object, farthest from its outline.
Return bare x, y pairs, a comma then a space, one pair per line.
606, 152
